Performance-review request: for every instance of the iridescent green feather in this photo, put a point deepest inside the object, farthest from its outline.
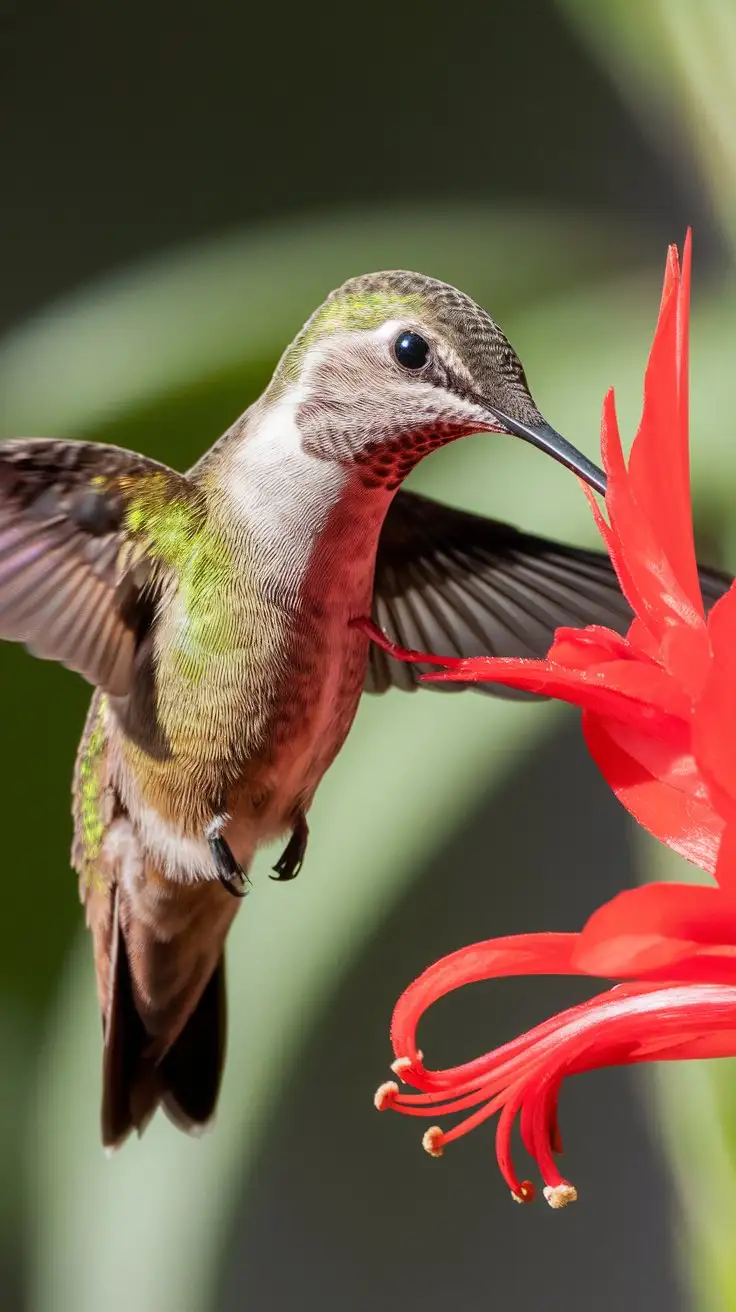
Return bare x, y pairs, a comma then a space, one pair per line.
347, 312
89, 788
179, 535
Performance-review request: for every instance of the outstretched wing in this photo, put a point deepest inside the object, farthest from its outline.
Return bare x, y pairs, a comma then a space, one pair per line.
83, 547
458, 584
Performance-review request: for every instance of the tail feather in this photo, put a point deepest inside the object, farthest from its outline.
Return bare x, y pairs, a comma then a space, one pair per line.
130, 1085
181, 1070
191, 1072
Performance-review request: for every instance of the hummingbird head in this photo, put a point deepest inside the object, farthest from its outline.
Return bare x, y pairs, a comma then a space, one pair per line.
396, 364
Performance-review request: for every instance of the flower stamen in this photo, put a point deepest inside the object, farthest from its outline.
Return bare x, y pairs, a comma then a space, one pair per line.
385, 1096
560, 1195
403, 1064
433, 1141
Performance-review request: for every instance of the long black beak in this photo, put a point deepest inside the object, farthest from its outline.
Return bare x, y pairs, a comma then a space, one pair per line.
544, 436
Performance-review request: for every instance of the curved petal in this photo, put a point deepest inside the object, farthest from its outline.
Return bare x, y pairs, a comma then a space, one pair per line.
594, 669
726, 865
714, 718
662, 931
518, 954
650, 535
576, 648
659, 463
645, 573
625, 690
686, 823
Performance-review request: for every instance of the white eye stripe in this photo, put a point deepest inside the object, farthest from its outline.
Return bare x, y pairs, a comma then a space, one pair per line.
391, 329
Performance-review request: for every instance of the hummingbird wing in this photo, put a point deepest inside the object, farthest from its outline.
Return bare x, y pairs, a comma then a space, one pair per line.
458, 584
78, 566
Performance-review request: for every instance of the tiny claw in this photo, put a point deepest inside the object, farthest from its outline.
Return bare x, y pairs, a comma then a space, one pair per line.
284, 873
285, 869
292, 858
561, 1195
236, 885
232, 877
432, 1141
385, 1094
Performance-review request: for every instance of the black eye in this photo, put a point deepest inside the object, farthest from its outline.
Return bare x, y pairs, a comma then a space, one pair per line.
411, 350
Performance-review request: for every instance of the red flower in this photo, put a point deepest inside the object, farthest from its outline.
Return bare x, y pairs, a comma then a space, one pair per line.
650, 697
659, 716
679, 940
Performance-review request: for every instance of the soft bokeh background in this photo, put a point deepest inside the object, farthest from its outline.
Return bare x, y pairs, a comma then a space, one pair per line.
182, 184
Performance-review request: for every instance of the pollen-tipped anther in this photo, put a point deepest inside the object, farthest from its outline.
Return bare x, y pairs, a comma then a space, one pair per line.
404, 1064
432, 1141
526, 1192
400, 1066
559, 1195
384, 1096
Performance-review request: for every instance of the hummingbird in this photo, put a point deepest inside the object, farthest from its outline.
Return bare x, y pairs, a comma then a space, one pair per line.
213, 612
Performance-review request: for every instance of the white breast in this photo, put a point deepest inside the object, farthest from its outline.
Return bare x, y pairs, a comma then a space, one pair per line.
283, 494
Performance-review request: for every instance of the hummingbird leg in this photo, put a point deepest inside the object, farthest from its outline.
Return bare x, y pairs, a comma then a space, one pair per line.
290, 862
230, 874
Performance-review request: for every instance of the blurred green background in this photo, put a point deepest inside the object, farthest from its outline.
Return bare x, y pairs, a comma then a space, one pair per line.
182, 185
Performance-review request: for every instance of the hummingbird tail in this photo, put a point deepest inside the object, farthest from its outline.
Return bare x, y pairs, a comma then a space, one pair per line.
191, 1071
170, 1057
185, 1082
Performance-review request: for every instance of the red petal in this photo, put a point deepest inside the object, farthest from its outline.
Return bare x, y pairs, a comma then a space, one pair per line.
635, 691
714, 721
645, 573
686, 823
726, 867
659, 464
628, 538
579, 648
518, 954
650, 536
664, 931
642, 641
371, 631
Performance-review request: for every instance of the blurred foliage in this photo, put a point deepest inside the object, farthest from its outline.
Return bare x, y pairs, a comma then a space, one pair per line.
163, 357
675, 60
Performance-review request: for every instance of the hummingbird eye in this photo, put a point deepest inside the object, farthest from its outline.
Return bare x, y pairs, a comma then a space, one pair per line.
411, 351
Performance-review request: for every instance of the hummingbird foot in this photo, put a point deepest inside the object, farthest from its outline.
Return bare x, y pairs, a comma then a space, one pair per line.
292, 858
230, 874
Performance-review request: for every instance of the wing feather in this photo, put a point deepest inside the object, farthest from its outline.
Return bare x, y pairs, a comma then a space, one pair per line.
457, 584
73, 561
